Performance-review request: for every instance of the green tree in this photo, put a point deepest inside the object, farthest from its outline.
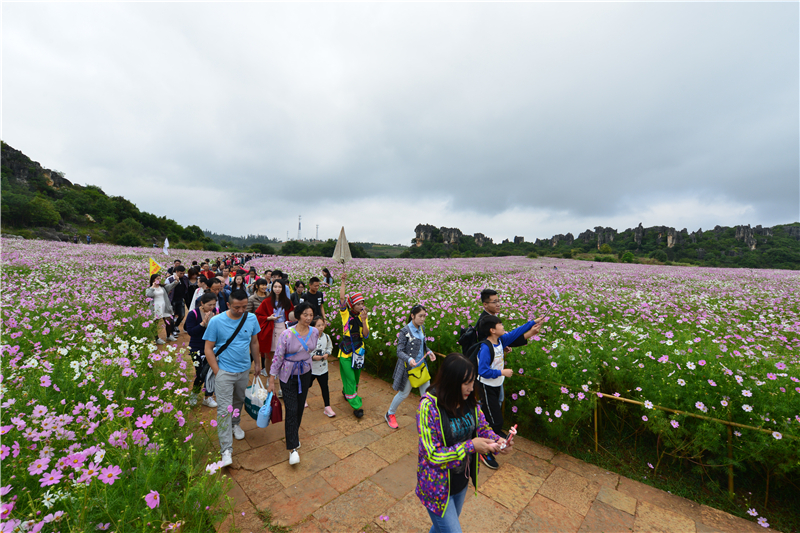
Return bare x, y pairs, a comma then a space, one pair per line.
262, 248
627, 257
606, 249
294, 248
128, 239
43, 213
65, 209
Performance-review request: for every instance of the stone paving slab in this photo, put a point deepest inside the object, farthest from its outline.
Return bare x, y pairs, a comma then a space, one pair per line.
359, 475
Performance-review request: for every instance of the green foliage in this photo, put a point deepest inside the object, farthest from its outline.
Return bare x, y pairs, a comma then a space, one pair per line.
43, 212
532, 255
567, 254
606, 249
261, 249
128, 239
627, 257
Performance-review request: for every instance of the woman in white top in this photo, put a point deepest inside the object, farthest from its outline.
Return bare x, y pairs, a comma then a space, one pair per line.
160, 305
319, 363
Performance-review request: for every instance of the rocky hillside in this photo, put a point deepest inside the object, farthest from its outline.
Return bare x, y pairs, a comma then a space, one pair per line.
739, 246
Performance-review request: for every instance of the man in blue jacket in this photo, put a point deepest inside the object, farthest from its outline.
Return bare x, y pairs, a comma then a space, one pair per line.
492, 371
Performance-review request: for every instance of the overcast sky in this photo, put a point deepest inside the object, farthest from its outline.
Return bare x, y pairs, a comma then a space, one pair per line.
505, 119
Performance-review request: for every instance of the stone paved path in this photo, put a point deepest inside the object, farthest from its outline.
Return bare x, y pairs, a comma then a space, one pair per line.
352, 472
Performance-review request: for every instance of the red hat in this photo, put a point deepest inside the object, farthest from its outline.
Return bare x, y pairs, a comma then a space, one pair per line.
354, 298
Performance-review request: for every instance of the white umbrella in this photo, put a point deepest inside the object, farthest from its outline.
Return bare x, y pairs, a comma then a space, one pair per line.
341, 254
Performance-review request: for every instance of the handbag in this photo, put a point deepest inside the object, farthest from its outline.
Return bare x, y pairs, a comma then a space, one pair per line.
419, 375
253, 400
276, 415
264, 413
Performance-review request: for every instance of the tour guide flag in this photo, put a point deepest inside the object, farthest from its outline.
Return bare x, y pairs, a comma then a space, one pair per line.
154, 267
166, 246
342, 251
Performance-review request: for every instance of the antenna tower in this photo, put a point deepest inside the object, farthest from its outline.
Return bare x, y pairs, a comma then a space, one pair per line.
317, 237
299, 219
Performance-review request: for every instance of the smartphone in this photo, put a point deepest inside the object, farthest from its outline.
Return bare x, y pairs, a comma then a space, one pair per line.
511, 433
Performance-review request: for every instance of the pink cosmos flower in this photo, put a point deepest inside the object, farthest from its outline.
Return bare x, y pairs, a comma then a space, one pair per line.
144, 421
128, 411
674, 423
38, 466
780, 366
39, 410
187, 439
152, 499
110, 474
702, 362
44, 381
127, 371
213, 423
51, 478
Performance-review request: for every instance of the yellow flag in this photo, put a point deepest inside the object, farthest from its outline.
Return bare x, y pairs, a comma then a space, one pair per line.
154, 267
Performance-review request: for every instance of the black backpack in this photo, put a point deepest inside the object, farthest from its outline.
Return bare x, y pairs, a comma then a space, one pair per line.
472, 353
468, 338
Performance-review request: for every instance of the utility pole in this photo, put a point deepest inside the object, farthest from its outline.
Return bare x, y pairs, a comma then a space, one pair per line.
299, 219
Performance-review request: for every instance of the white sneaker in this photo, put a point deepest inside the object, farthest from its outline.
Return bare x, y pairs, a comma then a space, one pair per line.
172, 338
264, 372
210, 402
238, 433
227, 460
192, 400
280, 393
294, 457
160, 341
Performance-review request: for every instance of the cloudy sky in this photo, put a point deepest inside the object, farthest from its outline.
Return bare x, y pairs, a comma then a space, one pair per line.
505, 119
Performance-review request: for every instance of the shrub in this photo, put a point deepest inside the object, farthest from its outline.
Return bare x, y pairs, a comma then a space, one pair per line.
533, 255
606, 249
42, 212
628, 257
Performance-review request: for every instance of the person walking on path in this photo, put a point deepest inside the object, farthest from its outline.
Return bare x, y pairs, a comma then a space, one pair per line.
411, 352
272, 314
316, 298
196, 323
292, 366
178, 294
258, 294
319, 363
351, 352
297, 295
231, 343
88, 239
452, 430
492, 371
160, 305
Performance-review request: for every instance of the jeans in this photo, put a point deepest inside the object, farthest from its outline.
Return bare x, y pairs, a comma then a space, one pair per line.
403, 394
448, 523
229, 387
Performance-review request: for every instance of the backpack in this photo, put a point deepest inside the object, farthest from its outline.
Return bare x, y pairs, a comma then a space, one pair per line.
472, 353
468, 339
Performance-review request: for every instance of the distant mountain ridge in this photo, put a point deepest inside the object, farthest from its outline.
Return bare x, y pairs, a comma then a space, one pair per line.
739, 246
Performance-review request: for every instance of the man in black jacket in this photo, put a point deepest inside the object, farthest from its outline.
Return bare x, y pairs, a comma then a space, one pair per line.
176, 297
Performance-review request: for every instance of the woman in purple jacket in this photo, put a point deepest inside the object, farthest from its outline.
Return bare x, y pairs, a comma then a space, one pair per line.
452, 430
292, 366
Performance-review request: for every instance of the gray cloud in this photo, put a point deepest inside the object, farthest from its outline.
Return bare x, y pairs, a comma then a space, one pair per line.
564, 116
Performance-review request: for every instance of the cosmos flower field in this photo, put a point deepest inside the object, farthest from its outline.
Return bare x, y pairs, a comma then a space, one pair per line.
95, 419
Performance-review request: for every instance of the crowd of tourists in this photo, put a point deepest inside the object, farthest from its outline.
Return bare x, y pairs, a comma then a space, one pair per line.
238, 320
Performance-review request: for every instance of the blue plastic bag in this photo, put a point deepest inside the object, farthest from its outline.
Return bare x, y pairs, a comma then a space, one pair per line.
265, 412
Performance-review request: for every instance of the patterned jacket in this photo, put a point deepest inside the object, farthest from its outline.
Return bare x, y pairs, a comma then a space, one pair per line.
436, 460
